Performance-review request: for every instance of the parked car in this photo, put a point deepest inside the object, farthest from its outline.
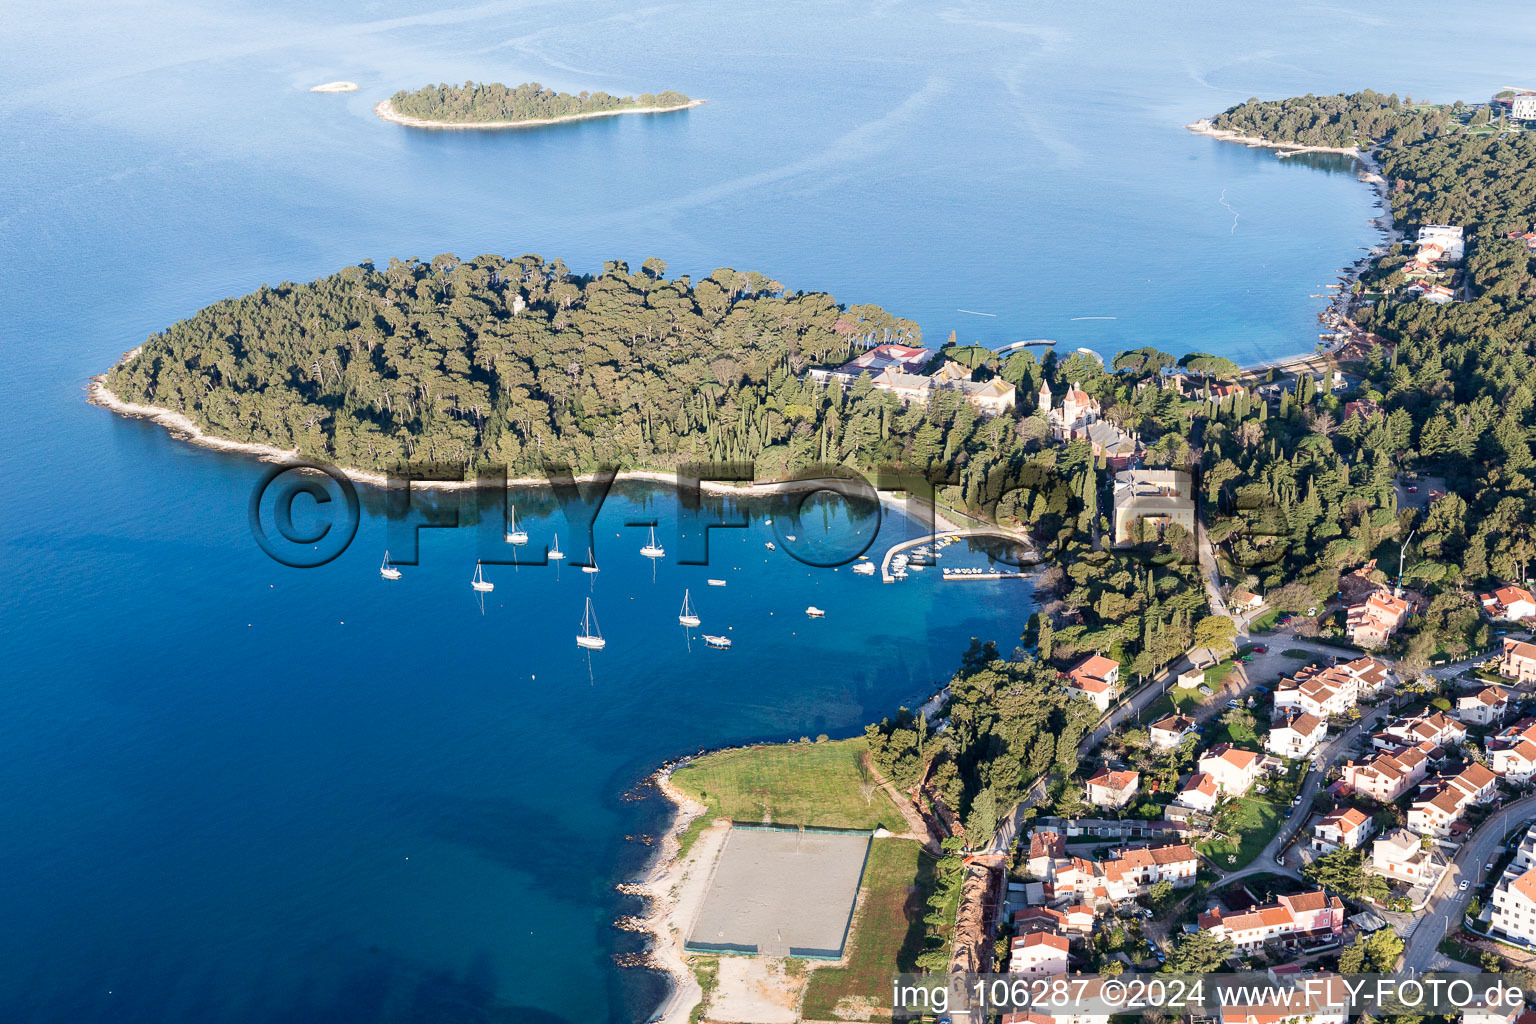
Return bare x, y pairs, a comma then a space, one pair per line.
1232, 704
1260, 649
1464, 884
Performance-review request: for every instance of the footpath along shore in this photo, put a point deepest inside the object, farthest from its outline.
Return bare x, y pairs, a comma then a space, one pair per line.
386, 110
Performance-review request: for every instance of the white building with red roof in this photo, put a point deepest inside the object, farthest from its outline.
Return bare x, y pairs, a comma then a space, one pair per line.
1372, 622
1519, 661
1045, 846
1514, 898
1509, 604
1097, 678
1113, 790
1233, 769
1487, 706
1425, 729
1344, 829
1168, 733
1512, 752
1126, 873
1401, 855
1389, 774
1199, 793
1039, 953
1446, 799
1295, 734
1286, 921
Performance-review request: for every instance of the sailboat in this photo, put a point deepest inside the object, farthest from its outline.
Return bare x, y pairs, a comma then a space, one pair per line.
515, 534
555, 554
480, 583
388, 571
687, 616
590, 636
653, 550
591, 565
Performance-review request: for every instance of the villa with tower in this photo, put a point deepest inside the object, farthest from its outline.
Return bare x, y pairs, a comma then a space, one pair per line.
1079, 417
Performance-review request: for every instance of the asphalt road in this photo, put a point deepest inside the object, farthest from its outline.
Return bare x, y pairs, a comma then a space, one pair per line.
1448, 900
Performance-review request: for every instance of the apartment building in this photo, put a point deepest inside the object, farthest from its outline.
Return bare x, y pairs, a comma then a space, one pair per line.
1442, 802
1097, 678
1286, 921
1389, 774
1487, 706
1233, 769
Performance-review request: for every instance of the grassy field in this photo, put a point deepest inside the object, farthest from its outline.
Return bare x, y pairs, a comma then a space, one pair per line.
1252, 822
887, 937
792, 784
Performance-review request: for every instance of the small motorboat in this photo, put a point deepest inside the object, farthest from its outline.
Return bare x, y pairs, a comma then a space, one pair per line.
789, 537
719, 643
770, 546
716, 583
815, 613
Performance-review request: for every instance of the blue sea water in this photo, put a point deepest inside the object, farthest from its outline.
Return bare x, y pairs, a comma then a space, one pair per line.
238, 792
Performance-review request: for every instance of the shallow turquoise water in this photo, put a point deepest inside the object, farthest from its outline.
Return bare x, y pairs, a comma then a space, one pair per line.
239, 792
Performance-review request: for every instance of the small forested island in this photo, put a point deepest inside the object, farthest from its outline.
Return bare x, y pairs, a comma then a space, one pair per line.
477, 105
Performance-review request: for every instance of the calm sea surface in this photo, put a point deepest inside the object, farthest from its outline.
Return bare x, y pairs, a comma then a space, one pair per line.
236, 792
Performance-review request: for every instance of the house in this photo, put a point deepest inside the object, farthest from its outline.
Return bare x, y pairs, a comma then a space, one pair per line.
1198, 793
1126, 873
1233, 769
1519, 661
1372, 622
1044, 846
1079, 417
1509, 604
1443, 801
1402, 855
1039, 953
874, 361
1113, 789
990, 397
1147, 500
1323, 692
1364, 408
1097, 678
1194, 677
1423, 730
1243, 601
1342, 830
1388, 775
1485, 707
1167, 733
1287, 921
1295, 734
1512, 752
1449, 238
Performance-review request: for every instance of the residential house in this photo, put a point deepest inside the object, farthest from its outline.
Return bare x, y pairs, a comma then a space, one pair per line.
1198, 793
874, 361
1243, 601
1512, 752
1039, 953
1402, 855
1044, 846
1286, 921
1233, 769
1509, 604
1295, 734
1097, 678
1487, 706
1446, 799
1126, 873
1168, 733
1519, 661
1147, 500
1344, 829
1449, 238
1389, 774
1423, 730
1372, 622
1290, 998
1079, 417
1113, 790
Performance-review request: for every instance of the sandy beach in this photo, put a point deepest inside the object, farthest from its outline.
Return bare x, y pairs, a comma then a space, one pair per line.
387, 112
335, 87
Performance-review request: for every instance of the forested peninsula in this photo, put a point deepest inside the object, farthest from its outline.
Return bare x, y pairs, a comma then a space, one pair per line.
495, 105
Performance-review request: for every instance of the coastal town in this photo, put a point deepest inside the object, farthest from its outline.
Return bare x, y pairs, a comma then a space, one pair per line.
1318, 783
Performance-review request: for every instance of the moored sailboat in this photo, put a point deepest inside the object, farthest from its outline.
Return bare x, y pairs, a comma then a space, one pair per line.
591, 565
687, 616
515, 534
590, 637
653, 550
388, 571
480, 583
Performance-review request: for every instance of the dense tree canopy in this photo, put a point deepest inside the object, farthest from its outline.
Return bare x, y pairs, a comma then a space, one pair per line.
474, 102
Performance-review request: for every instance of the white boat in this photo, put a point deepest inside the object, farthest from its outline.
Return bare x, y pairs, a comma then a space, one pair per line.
789, 537
770, 546
590, 636
555, 554
687, 616
916, 566
716, 583
388, 571
719, 643
899, 573
815, 613
515, 534
653, 550
591, 565
480, 583
767, 522
864, 568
